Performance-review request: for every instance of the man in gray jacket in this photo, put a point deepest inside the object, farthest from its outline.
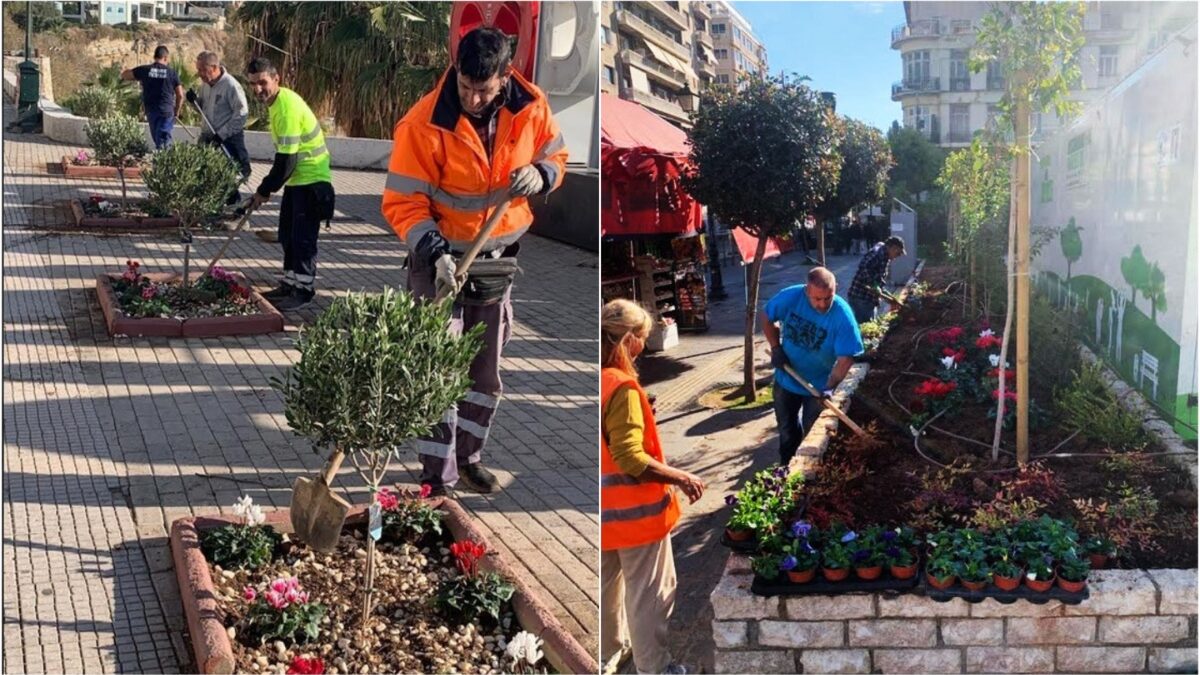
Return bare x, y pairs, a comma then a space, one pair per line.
224, 104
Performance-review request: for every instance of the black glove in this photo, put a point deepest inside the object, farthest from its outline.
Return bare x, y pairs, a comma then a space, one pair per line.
778, 358
191, 96
432, 246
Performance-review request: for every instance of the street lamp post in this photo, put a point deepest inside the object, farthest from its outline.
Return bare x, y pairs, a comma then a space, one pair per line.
28, 114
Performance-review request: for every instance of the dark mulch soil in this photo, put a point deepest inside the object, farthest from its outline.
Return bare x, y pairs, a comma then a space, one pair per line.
893, 466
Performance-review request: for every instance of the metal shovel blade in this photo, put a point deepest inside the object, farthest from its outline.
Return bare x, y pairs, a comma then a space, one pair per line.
317, 513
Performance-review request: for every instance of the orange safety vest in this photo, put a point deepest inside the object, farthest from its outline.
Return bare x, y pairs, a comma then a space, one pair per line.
633, 511
440, 179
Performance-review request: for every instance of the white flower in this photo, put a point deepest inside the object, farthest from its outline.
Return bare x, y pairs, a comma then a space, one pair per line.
994, 359
947, 362
1032, 576
986, 333
524, 645
933, 543
254, 515
241, 506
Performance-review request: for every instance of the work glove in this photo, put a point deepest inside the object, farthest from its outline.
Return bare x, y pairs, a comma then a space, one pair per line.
431, 246
191, 96
444, 276
778, 358
827, 394
525, 181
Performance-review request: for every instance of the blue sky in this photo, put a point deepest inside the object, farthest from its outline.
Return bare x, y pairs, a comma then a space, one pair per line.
845, 47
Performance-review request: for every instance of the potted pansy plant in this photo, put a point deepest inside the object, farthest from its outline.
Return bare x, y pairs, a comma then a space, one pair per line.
867, 554
835, 554
1073, 573
800, 556
1099, 550
899, 550
1039, 572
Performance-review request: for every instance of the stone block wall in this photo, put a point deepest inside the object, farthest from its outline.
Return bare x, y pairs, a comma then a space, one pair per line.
1135, 621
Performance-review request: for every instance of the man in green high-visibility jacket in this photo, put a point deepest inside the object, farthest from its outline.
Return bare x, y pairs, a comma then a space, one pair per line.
301, 168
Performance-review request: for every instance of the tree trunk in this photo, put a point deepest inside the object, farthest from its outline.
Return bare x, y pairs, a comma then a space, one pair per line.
821, 242
751, 311
1021, 192
1005, 335
971, 281
187, 263
369, 583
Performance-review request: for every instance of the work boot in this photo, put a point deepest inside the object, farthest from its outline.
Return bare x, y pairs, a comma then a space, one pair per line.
296, 300
437, 491
279, 293
478, 479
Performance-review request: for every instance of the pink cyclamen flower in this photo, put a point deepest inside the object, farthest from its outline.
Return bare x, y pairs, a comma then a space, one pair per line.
276, 600
279, 585
149, 292
249, 593
293, 596
293, 582
387, 499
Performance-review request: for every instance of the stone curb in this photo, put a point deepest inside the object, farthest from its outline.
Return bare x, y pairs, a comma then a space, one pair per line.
210, 641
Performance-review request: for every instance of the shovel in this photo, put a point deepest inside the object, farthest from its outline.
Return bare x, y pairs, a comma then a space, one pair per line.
317, 513
229, 240
787, 367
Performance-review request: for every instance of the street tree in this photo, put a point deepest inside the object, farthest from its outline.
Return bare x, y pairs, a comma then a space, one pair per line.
866, 159
1036, 47
913, 179
1072, 245
764, 155
364, 63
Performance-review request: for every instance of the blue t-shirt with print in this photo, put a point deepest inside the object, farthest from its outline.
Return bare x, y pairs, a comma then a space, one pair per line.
811, 340
158, 88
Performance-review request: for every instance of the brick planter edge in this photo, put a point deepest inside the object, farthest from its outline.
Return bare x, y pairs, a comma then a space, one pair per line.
267, 320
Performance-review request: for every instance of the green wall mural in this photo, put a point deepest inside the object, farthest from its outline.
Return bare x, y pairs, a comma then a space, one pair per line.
1072, 244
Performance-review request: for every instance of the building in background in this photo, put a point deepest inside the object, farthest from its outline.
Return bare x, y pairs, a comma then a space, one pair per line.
941, 97
112, 12
662, 54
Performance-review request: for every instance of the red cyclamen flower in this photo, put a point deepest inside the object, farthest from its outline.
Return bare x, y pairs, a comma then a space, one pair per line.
303, 666
387, 499
988, 341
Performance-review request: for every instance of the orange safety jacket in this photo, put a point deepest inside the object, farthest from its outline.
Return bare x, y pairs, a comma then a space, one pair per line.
633, 511
439, 176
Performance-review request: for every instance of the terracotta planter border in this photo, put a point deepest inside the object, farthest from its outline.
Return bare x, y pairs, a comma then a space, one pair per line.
267, 320
81, 219
210, 641
97, 171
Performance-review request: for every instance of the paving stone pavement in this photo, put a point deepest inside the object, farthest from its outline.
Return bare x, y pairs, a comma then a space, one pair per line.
108, 440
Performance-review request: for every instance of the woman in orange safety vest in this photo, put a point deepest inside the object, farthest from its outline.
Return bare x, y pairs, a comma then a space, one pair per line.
638, 506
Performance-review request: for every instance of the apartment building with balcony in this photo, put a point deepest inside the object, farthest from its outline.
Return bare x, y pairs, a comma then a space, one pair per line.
941, 97
649, 54
737, 50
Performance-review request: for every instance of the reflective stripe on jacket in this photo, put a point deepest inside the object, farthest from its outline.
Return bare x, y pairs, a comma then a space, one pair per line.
439, 176
295, 130
633, 511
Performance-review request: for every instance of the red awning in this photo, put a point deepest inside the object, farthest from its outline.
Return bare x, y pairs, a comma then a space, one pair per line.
642, 158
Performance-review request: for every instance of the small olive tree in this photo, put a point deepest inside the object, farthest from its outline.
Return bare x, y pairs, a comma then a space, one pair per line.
375, 372
190, 182
764, 156
119, 142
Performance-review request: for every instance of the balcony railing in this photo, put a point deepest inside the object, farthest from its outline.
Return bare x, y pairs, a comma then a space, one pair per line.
704, 38
653, 67
960, 84
958, 136
700, 8
995, 83
923, 28
669, 14
662, 105
645, 29
905, 87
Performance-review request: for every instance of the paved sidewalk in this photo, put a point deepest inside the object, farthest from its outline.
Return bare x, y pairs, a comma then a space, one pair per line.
106, 441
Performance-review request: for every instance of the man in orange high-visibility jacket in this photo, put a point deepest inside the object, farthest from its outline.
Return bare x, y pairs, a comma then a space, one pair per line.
482, 136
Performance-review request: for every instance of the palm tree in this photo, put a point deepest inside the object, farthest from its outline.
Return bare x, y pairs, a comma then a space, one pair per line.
364, 63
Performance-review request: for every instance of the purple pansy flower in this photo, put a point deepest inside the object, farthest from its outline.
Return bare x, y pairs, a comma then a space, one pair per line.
800, 529
788, 563
731, 500
893, 552
780, 472
849, 537
889, 535
860, 556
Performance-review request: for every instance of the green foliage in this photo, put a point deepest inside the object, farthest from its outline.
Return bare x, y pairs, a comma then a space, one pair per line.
190, 181
411, 520
118, 140
467, 598
866, 159
376, 371
46, 16
765, 154
126, 92
1129, 519
918, 162
189, 80
835, 555
91, 101
298, 622
978, 178
766, 565
1085, 405
240, 546
376, 58
1072, 244
1054, 358
765, 501
1074, 568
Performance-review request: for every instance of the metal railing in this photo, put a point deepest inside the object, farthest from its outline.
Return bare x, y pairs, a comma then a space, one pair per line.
960, 84
663, 39
923, 28
958, 137
904, 87
653, 102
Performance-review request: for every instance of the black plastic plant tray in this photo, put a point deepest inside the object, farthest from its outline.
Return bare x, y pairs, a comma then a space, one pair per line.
748, 546
1007, 597
819, 586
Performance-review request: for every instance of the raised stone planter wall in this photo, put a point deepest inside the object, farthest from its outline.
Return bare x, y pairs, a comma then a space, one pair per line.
81, 219
267, 320
1134, 620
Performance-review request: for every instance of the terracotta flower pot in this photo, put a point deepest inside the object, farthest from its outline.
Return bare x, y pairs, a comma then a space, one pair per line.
1038, 586
1071, 586
869, 573
834, 575
739, 535
903, 572
801, 576
940, 584
1099, 560
973, 585
1007, 583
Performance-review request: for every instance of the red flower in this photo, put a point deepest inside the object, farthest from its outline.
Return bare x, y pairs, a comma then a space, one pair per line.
946, 336
303, 666
1008, 373
1009, 394
467, 554
935, 388
988, 341
426, 490
387, 499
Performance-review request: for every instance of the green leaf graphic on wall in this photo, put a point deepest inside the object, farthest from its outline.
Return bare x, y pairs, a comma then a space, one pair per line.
1072, 245
1136, 271
1143, 277
1155, 291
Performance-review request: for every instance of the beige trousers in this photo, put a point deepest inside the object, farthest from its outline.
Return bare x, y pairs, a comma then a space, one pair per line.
637, 588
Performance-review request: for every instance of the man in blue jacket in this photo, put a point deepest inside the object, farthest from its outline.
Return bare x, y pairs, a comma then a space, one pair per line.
810, 328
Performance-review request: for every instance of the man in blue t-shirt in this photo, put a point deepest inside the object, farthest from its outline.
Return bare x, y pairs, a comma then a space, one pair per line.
813, 330
162, 95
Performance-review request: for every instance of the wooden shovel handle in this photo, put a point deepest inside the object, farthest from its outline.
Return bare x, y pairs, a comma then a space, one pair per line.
229, 240
787, 367
464, 263
332, 466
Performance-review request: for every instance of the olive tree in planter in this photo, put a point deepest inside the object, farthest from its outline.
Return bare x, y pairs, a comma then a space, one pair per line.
190, 182
375, 372
118, 140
